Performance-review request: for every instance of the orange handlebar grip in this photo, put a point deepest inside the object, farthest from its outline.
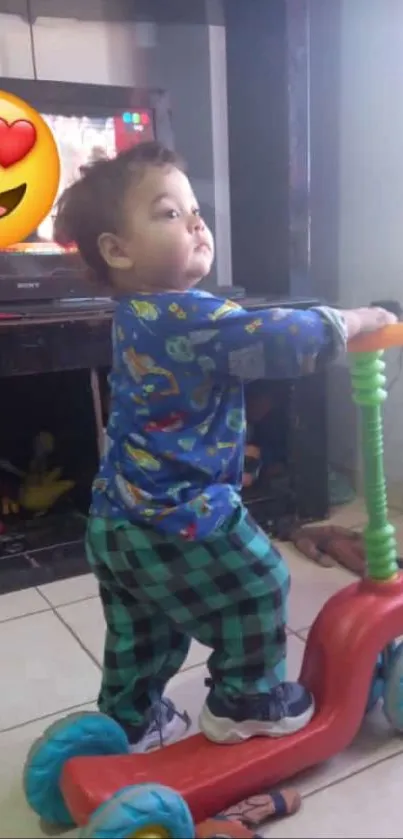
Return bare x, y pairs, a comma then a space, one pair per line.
382, 339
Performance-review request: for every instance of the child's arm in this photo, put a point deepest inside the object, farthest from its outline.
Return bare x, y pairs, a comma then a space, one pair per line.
275, 343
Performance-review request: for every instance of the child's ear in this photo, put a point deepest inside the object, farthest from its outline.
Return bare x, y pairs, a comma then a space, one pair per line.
112, 250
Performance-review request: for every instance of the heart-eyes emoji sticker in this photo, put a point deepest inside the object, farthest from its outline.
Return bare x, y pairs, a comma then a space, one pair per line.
16, 141
29, 169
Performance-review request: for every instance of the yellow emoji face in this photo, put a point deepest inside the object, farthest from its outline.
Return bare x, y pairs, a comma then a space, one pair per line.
29, 169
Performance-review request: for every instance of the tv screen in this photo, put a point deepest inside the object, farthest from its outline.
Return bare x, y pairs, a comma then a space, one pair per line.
89, 122
82, 140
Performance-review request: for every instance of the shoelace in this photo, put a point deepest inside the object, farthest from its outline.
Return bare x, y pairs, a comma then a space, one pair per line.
162, 704
279, 696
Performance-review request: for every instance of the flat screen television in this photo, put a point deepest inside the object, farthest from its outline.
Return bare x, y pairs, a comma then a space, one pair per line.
88, 122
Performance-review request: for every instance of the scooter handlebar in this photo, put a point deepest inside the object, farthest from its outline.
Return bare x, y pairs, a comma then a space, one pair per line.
382, 339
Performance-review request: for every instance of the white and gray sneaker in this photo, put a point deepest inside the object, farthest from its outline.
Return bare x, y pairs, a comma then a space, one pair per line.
285, 709
164, 725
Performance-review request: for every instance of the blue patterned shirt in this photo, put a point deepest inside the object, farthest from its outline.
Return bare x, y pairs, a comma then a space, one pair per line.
175, 438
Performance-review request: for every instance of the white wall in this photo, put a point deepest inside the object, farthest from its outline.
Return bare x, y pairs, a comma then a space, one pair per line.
15, 51
371, 178
70, 49
371, 147
218, 83
88, 51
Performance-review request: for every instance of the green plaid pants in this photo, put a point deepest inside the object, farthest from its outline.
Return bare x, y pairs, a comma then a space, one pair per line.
229, 592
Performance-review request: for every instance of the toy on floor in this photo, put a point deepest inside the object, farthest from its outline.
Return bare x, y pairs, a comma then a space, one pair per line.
330, 544
42, 487
264, 450
81, 771
252, 465
241, 821
37, 490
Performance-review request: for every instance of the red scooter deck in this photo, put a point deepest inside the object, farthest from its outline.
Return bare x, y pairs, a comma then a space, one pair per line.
342, 649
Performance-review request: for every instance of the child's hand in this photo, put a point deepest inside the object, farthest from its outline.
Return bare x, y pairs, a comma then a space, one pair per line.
368, 319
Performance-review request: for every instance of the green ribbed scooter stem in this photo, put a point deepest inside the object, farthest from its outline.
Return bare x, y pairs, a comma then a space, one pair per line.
368, 380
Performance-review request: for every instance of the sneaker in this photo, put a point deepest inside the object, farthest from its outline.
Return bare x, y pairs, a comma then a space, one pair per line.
284, 710
165, 724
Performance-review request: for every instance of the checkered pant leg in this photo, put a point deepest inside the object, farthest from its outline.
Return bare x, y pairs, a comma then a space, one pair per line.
229, 592
143, 648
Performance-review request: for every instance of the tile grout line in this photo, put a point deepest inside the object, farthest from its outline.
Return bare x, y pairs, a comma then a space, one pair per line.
63, 711
352, 774
70, 708
24, 615
49, 607
43, 596
77, 638
72, 602
69, 602
297, 633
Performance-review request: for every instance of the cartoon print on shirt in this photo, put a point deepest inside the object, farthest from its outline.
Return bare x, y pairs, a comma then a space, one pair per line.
203, 336
138, 399
280, 314
207, 364
145, 310
100, 484
199, 398
187, 443
132, 495
201, 505
235, 420
141, 365
176, 490
173, 422
143, 459
204, 427
188, 532
227, 307
177, 311
138, 439
180, 349
254, 326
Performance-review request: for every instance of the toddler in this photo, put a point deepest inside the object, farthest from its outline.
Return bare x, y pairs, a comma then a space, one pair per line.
175, 551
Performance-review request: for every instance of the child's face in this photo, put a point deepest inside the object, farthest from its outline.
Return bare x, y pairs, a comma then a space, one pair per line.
164, 243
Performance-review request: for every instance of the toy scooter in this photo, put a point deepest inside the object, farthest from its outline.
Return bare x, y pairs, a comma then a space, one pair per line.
81, 771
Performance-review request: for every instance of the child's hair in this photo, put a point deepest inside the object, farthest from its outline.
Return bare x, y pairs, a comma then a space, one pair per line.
93, 204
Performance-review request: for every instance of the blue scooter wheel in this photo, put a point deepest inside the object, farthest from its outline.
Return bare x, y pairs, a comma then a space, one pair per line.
144, 811
393, 693
381, 675
377, 686
76, 735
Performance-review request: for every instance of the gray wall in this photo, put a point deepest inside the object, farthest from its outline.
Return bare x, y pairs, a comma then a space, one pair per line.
175, 47
371, 177
358, 200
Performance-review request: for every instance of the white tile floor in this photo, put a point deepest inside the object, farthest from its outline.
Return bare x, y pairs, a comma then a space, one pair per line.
51, 642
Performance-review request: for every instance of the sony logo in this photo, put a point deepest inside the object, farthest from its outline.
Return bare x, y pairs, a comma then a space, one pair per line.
28, 285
